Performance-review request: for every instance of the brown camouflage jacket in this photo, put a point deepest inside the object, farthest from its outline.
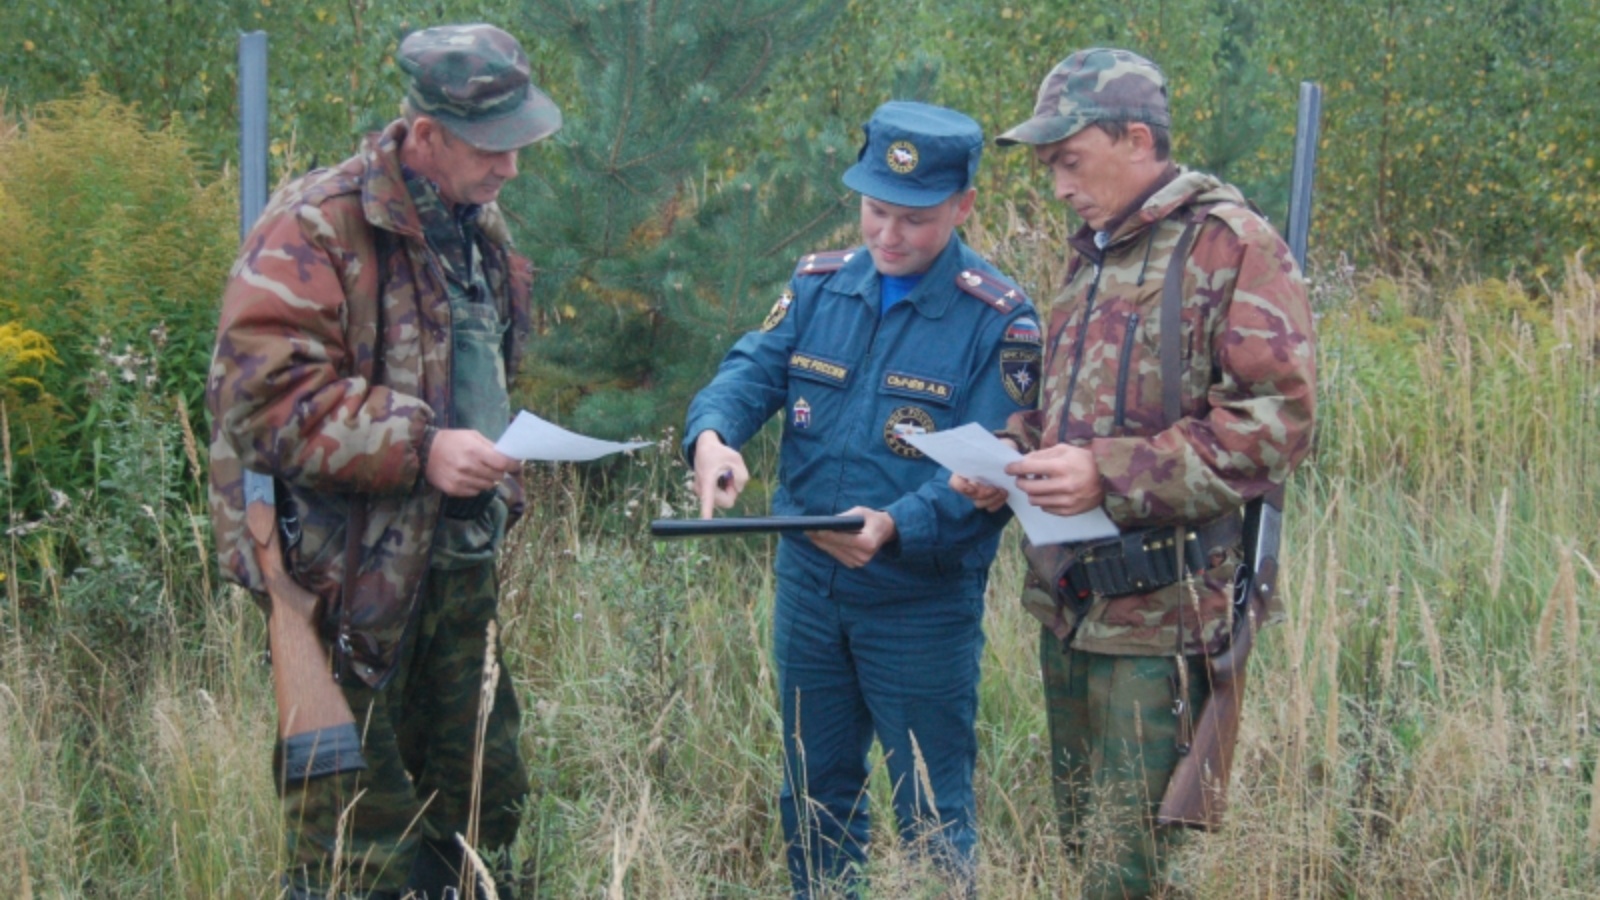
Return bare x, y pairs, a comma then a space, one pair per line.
328, 376
1248, 364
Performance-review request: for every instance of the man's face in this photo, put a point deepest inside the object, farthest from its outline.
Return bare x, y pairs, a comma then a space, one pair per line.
905, 240
464, 173
1095, 175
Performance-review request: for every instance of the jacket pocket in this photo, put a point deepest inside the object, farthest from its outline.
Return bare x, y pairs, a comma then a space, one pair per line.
466, 541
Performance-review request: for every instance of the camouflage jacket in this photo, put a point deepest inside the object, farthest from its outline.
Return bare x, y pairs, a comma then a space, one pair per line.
329, 375
1248, 365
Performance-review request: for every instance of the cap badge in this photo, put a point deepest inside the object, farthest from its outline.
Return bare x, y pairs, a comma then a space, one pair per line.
902, 157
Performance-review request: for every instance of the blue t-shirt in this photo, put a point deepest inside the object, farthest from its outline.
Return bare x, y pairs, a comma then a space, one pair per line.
894, 288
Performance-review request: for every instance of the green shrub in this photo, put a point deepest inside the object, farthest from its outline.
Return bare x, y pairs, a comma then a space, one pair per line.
114, 244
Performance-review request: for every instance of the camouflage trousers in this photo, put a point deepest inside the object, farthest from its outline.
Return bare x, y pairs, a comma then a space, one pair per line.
360, 832
1113, 747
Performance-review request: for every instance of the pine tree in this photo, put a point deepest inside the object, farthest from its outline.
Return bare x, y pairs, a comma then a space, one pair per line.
661, 235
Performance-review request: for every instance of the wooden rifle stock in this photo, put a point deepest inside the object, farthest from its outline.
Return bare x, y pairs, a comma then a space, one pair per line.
309, 699
1197, 793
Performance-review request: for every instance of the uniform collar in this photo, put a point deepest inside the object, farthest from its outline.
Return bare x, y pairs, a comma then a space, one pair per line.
932, 297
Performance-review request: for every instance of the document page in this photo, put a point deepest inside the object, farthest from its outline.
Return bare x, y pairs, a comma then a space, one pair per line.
532, 438
977, 455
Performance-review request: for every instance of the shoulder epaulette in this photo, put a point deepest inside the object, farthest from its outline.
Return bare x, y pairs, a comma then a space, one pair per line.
824, 262
991, 290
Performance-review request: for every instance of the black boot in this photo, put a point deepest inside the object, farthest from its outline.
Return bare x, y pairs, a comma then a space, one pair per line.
437, 871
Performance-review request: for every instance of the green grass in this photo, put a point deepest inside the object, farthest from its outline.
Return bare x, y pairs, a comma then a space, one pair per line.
1423, 725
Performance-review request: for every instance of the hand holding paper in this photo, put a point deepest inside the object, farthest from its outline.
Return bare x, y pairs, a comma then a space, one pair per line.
979, 456
532, 438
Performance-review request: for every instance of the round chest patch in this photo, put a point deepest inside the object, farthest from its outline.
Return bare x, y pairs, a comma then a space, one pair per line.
904, 421
902, 157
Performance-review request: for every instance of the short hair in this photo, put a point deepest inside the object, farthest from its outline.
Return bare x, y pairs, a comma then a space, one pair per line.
1159, 134
411, 115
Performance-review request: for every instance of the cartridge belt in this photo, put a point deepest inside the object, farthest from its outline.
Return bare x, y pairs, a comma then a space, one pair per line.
1146, 560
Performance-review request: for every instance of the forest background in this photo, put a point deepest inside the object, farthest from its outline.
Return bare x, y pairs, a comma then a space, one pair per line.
1425, 725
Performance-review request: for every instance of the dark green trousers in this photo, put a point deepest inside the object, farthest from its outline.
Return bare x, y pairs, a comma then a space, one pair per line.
360, 831
1113, 747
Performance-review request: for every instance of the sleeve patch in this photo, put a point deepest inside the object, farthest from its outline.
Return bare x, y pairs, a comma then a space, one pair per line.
779, 310
1019, 373
1024, 330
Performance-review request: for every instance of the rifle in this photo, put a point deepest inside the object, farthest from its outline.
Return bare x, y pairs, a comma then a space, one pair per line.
1197, 794
315, 726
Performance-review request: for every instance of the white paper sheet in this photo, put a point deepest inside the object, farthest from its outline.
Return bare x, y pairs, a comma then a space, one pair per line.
531, 437
977, 455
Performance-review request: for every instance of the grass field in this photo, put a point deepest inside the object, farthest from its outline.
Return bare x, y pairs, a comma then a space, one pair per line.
1424, 725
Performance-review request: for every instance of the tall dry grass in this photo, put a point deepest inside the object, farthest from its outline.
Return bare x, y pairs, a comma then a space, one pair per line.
1422, 726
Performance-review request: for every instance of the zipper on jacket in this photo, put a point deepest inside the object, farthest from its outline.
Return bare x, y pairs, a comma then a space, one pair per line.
861, 392
1078, 348
1122, 370
853, 395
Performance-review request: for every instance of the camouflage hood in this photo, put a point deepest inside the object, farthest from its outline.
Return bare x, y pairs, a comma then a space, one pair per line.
1189, 188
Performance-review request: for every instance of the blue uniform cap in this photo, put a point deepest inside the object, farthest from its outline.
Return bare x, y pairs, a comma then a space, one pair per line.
916, 154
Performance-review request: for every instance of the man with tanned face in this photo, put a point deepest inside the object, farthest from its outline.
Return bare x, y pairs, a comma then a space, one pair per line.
1127, 626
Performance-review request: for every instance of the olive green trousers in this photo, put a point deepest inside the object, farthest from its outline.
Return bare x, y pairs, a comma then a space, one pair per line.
1114, 730
359, 832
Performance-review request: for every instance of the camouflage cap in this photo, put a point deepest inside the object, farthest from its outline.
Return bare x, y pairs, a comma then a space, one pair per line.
916, 154
474, 80
1094, 85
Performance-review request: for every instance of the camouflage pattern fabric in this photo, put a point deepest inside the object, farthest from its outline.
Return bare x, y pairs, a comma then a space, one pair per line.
419, 740
474, 80
1248, 366
1094, 85
469, 533
304, 387
1113, 738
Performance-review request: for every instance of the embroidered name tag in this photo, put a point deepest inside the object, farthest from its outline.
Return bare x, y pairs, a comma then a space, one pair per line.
917, 386
831, 371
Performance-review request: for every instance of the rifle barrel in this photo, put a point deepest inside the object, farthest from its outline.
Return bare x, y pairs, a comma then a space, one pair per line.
1307, 128
252, 129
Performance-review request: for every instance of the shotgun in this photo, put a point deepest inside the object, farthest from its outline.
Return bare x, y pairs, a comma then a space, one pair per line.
1197, 794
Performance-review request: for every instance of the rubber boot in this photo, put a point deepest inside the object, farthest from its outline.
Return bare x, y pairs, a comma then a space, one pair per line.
436, 873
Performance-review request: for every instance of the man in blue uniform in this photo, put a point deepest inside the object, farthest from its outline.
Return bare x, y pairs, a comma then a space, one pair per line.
879, 632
